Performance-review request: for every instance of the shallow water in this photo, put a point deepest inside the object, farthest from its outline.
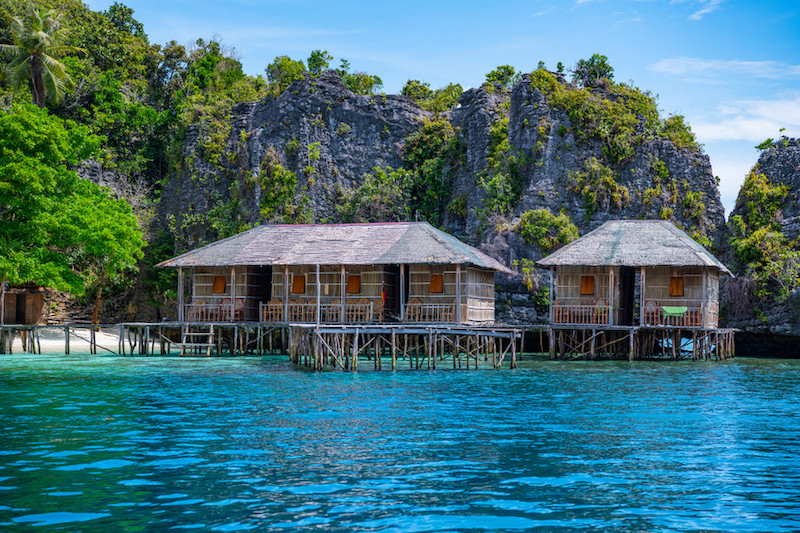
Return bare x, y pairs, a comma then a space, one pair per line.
100, 443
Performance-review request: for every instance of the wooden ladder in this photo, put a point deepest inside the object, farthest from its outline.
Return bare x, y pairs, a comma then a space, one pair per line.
193, 340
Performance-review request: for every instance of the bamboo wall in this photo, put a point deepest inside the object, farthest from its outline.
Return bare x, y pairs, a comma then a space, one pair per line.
477, 290
374, 280
568, 285
250, 286
34, 303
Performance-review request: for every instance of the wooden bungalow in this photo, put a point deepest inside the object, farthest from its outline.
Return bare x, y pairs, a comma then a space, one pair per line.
337, 274
635, 272
22, 304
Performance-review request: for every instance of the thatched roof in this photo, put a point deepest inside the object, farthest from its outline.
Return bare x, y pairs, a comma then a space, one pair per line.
633, 243
338, 244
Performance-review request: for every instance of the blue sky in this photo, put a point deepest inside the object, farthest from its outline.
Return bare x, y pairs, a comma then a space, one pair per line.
731, 67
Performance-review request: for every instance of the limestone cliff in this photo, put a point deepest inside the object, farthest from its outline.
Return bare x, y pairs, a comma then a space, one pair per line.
762, 246
521, 150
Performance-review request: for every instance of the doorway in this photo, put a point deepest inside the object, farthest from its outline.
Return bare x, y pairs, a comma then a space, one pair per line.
627, 284
20, 314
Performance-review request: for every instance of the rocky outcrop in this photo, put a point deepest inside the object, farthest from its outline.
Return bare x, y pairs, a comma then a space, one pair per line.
318, 129
775, 318
330, 137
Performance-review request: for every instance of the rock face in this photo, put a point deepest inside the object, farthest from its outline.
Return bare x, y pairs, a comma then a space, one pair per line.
774, 321
330, 137
318, 129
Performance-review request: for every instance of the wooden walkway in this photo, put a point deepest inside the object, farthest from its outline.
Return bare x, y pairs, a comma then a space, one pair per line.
389, 346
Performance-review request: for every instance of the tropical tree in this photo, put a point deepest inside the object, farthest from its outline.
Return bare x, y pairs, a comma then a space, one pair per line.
318, 62
56, 229
38, 41
505, 75
588, 72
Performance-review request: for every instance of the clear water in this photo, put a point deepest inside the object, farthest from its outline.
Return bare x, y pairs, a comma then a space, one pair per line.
103, 443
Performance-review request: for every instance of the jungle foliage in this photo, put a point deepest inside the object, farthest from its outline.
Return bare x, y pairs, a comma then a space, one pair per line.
759, 245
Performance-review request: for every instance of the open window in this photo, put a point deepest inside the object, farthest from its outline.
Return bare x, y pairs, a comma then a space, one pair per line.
587, 285
354, 284
298, 284
437, 284
676, 286
219, 285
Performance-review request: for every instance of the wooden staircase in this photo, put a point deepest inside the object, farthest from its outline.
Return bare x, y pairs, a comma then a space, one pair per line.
197, 341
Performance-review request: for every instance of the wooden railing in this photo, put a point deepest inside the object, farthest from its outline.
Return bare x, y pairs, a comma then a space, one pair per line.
330, 313
580, 314
214, 310
425, 312
674, 315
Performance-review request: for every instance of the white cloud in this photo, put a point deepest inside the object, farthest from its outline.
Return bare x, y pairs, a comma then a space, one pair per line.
706, 7
752, 120
710, 70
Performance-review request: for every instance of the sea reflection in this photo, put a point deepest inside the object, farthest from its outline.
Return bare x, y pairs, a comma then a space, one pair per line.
101, 443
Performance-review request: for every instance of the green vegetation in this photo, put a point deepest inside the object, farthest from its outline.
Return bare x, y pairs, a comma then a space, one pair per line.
381, 197
760, 248
278, 185
671, 200
599, 187
504, 76
55, 229
612, 115
546, 230
590, 72
431, 155
502, 180
437, 101
38, 41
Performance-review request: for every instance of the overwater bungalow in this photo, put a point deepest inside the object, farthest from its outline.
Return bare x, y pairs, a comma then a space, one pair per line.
337, 274
635, 273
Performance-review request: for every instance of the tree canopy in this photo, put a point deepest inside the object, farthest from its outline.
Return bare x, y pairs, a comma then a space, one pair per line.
56, 229
38, 41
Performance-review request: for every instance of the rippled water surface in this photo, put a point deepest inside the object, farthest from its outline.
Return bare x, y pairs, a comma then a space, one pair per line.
97, 443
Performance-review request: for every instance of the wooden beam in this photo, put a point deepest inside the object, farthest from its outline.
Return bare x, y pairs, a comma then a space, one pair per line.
319, 297
181, 311
233, 291
286, 293
343, 284
458, 294
402, 292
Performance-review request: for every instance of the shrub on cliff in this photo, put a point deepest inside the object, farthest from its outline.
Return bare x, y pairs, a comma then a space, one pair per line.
760, 248
546, 230
430, 155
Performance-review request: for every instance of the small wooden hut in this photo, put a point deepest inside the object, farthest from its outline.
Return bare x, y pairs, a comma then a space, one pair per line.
22, 304
635, 272
338, 274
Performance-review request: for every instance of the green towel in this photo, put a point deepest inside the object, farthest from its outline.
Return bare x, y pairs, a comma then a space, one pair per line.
674, 310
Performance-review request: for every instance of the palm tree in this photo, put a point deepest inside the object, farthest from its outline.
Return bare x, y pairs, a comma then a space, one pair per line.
37, 44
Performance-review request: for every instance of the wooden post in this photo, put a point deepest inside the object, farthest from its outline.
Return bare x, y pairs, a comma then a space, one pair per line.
181, 310
233, 292
703, 304
642, 299
319, 298
285, 294
552, 339
552, 312
394, 349
403, 293
66, 340
611, 296
343, 280
513, 350
458, 294
631, 346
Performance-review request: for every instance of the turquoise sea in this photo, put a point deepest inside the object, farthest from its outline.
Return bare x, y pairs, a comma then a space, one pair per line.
106, 443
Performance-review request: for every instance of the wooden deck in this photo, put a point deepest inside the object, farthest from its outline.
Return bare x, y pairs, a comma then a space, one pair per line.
391, 345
